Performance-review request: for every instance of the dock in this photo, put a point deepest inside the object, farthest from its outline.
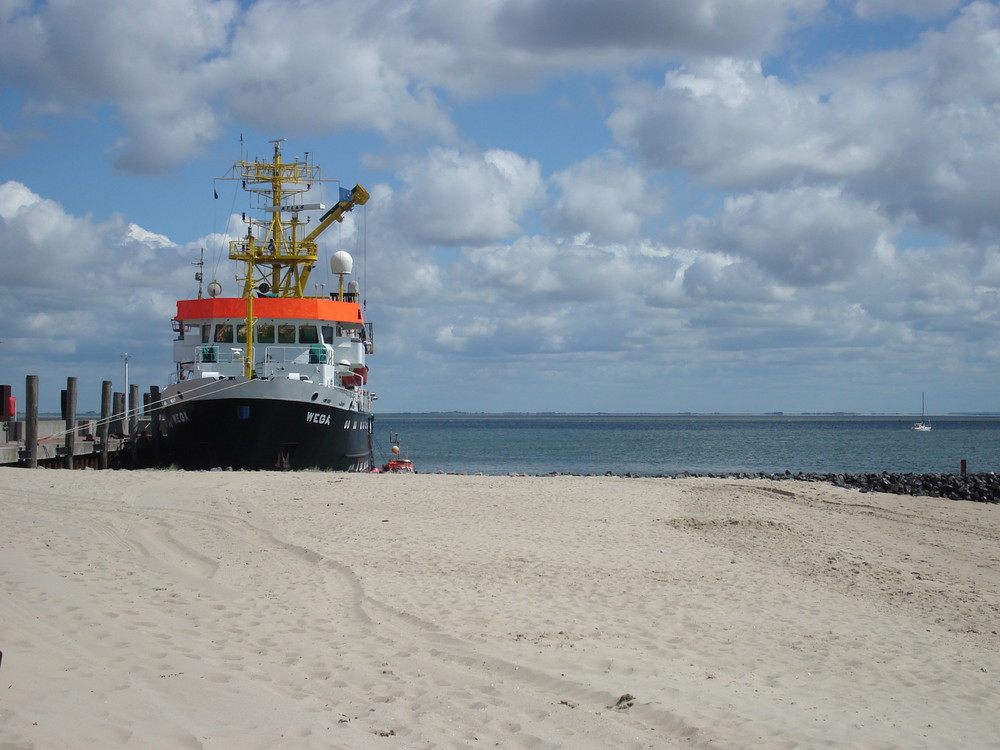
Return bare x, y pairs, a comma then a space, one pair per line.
51, 449
123, 437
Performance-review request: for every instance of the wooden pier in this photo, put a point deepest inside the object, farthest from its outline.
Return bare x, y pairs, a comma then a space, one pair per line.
123, 437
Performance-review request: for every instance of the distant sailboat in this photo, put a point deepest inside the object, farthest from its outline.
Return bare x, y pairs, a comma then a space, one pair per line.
922, 425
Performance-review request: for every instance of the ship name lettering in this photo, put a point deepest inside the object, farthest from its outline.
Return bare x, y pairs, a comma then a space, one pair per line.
317, 418
179, 417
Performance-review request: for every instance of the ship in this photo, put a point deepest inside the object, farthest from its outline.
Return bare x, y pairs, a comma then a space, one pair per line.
273, 378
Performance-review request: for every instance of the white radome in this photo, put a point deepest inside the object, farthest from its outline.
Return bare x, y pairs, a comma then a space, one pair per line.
341, 262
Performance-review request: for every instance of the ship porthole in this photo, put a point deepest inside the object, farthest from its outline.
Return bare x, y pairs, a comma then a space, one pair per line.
315, 396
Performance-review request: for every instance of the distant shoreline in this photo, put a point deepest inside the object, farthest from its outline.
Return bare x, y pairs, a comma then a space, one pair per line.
734, 415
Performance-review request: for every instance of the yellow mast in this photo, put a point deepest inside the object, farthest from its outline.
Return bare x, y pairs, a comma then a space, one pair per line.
248, 361
279, 264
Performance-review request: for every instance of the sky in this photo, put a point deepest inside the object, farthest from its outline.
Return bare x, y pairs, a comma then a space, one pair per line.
736, 206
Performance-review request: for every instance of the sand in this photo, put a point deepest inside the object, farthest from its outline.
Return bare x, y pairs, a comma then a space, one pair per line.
262, 610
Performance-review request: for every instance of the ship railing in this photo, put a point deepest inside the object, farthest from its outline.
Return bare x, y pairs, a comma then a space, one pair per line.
302, 354
213, 354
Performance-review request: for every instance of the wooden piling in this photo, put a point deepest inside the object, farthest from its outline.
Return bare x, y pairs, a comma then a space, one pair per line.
31, 420
133, 422
105, 424
70, 417
154, 415
118, 423
133, 410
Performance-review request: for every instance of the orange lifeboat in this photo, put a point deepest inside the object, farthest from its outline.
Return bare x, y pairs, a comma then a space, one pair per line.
397, 464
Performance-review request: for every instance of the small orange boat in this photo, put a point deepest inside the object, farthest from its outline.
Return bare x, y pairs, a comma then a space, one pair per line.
397, 464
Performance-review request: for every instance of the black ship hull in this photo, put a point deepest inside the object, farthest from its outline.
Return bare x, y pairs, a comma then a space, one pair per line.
267, 435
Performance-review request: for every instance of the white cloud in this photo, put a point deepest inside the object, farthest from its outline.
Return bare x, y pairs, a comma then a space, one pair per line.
603, 196
327, 65
179, 69
989, 272
940, 288
475, 49
913, 129
732, 126
70, 55
43, 247
726, 279
76, 286
457, 198
801, 236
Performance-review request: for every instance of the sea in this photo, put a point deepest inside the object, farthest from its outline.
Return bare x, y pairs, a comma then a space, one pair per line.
654, 445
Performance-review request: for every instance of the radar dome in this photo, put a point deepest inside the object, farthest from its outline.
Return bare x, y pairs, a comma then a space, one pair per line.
214, 289
341, 262
353, 287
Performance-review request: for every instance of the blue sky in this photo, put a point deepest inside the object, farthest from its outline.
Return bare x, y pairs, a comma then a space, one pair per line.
725, 205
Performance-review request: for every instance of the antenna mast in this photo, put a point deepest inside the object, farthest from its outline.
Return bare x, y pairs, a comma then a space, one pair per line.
199, 275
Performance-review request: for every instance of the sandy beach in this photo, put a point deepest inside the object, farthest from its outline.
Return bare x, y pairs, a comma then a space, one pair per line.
164, 609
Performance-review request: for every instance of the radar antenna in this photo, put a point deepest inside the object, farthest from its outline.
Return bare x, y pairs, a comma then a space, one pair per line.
199, 275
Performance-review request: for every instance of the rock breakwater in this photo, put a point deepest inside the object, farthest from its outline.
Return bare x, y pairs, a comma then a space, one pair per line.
978, 488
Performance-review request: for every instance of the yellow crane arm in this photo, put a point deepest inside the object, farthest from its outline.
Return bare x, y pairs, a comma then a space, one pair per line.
359, 196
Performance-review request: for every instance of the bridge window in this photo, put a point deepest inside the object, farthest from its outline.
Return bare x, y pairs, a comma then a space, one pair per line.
308, 335
265, 333
224, 333
286, 334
